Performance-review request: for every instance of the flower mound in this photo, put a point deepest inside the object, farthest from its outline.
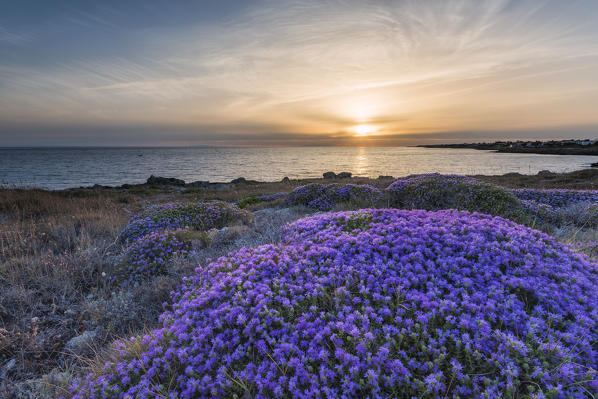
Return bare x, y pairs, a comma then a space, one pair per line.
434, 192
272, 197
150, 255
201, 216
325, 196
375, 303
556, 197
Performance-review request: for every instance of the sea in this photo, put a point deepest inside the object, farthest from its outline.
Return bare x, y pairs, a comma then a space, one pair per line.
61, 168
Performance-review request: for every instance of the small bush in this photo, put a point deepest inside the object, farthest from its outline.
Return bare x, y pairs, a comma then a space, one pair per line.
581, 214
272, 197
245, 202
325, 197
149, 255
558, 198
435, 192
200, 216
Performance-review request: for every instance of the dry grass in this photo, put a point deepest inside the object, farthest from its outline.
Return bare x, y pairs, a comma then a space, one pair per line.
52, 253
54, 248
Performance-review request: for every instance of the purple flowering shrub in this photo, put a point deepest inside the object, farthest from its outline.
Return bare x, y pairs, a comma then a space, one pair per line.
577, 207
434, 192
272, 197
200, 216
375, 303
251, 200
557, 198
149, 255
325, 196
542, 213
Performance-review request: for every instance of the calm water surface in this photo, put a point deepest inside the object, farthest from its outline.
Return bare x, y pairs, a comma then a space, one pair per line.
58, 168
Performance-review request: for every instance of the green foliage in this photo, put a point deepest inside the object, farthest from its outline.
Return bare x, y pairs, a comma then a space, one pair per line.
357, 221
435, 192
245, 202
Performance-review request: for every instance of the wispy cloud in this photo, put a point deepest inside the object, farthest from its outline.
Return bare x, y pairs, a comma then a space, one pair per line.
13, 38
307, 67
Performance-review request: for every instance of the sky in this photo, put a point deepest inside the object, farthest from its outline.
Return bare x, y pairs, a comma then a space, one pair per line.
284, 72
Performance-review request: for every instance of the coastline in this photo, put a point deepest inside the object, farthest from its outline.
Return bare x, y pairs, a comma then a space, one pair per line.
518, 148
583, 179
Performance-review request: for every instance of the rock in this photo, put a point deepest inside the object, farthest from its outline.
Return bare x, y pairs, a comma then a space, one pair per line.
329, 175
512, 174
199, 183
239, 180
81, 344
544, 172
594, 164
166, 181
344, 175
286, 180
382, 177
220, 186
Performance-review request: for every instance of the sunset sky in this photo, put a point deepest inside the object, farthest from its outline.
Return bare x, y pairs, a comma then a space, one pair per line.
296, 72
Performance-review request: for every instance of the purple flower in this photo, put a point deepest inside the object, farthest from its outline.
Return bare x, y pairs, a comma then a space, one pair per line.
325, 197
375, 303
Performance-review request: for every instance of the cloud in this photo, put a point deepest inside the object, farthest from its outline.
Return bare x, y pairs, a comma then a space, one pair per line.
13, 38
307, 67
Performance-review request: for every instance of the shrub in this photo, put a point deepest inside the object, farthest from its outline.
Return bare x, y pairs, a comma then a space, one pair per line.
200, 216
272, 197
376, 303
325, 196
434, 192
245, 202
542, 214
557, 198
581, 214
149, 255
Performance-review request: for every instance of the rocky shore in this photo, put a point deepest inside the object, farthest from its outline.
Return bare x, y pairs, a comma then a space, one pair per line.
581, 179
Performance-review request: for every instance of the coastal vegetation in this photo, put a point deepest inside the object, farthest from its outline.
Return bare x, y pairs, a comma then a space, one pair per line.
324, 197
301, 288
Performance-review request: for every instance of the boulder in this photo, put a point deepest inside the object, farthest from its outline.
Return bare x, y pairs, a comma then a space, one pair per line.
344, 175
199, 183
329, 175
544, 172
81, 344
594, 164
286, 180
165, 181
239, 180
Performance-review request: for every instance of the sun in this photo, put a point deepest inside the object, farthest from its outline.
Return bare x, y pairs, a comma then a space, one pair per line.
363, 130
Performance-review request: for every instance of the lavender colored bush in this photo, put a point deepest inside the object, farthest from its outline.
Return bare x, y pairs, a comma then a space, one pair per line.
375, 303
542, 214
557, 198
149, 255
200, 216
272, 197
434, 192
325, 196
